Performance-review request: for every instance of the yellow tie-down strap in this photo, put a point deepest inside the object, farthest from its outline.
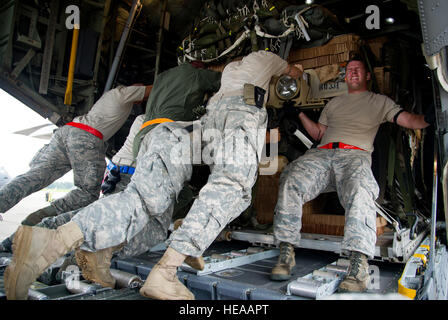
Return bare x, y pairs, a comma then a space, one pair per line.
154, 121
419, 258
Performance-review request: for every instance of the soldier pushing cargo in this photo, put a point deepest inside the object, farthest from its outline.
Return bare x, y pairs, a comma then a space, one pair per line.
78, 145
139, 211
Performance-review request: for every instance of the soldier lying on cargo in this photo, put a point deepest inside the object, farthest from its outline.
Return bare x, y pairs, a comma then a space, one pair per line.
138, 214
346, 130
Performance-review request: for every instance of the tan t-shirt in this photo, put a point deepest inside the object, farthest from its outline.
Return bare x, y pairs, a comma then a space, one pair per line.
124, 157
355, 118
110, 112
257, 68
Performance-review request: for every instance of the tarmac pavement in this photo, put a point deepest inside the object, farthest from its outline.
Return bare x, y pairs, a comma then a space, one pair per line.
14, 216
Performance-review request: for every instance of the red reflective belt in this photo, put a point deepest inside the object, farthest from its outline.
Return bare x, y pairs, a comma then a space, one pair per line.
339, 145
87, 128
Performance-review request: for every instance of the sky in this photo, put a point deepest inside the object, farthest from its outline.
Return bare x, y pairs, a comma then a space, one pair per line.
17, 150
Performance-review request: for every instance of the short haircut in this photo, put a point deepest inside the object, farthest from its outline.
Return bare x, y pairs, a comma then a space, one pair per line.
358, 57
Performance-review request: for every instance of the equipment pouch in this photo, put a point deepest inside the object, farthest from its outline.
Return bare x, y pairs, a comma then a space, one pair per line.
253, 95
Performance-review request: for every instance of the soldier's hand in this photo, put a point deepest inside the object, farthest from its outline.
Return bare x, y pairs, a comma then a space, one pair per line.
107, 187
109, 183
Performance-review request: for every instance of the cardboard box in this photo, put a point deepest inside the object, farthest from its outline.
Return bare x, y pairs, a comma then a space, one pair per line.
266, 198
325, 60
338, 49
332, 224
376, 46
382, 75
314, 219
338, 44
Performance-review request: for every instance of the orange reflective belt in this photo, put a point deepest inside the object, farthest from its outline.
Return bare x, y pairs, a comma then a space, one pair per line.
87, 128
158, 120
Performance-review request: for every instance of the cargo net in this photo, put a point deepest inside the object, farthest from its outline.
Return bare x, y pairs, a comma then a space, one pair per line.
225, 30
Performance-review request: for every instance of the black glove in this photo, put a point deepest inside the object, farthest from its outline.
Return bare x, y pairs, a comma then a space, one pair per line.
290, 126
291, 112
111, 180
274, 117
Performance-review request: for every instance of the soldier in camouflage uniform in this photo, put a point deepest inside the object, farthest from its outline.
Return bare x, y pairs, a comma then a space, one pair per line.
76, 148
137, 218
173, 97
346, 131
163, 166
234, 156
123, 157
79, 145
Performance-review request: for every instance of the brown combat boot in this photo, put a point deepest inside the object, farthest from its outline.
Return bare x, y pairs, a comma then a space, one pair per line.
285, 263
95, 266
35, 249
162, 282
197, 263
357, 277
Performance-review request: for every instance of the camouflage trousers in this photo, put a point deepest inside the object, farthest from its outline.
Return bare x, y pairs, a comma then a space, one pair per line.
349, 172
141, 214
65, 217
69, 148
228, 190
142, 241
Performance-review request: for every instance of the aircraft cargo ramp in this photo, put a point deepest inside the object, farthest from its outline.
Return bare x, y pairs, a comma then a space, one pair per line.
223, 279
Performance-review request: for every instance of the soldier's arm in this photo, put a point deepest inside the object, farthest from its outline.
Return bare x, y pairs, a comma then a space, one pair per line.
147, 92
315, 129
292, 71
411, 120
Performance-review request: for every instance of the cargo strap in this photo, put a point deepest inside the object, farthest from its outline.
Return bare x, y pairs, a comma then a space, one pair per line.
122, 169
154, 121
87, 128
339, 145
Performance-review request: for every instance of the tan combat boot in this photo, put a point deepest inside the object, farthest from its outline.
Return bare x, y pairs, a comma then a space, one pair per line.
162, 282
194, 262
285, 263
357, 277
35, 249
95, 266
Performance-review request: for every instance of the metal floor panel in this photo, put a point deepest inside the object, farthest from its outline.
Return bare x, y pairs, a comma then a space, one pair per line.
246, 282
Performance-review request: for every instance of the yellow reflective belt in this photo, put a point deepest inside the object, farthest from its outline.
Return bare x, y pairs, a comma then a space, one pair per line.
158, 120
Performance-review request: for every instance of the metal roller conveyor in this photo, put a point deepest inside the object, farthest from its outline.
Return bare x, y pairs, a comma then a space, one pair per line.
36, 295
79, 287
320, 283
126, 280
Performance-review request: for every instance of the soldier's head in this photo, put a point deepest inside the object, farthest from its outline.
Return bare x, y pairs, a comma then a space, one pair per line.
356, 75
